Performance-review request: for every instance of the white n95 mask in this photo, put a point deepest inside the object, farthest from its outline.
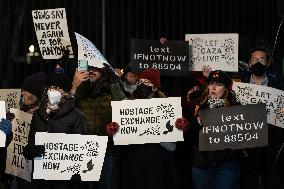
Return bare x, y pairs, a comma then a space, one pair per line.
54, 97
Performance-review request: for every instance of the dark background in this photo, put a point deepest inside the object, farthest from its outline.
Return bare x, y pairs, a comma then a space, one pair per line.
110, 24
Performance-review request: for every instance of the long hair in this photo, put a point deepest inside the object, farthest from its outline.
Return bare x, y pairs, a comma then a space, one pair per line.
228, 95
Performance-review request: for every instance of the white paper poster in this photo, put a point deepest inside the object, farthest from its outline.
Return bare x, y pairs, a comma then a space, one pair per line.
16, 164
52, 32
11, 97
147, 120
220, 51
2, 115
88, 51
70, 155
273, 98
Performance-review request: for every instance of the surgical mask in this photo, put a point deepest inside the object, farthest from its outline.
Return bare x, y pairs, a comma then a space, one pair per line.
258, 69
54, 97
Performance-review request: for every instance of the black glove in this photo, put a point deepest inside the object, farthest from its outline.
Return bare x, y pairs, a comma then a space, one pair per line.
33, 152
112, 77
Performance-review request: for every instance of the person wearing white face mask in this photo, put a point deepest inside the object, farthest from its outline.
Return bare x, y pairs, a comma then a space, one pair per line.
56, 114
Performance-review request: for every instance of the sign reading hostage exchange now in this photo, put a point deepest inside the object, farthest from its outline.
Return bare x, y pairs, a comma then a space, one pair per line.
70, 155
235, 127
52, 32
171, 58
144, 121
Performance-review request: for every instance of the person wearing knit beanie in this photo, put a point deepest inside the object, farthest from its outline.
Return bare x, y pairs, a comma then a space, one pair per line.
32, 90
148, 84
152, 75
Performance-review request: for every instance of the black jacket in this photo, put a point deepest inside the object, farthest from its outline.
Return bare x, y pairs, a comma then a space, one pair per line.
203, 159
67, 120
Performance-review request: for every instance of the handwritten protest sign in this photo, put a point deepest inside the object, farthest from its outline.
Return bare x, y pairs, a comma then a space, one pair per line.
16, 164
147, 120
69, 155
273, 98
2, 115
235, 127
11, 97
52, 32
88, 51
171, 58
220, 51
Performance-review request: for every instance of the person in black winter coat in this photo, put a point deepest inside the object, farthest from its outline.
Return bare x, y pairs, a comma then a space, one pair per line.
214, 169
56, 114
260, 162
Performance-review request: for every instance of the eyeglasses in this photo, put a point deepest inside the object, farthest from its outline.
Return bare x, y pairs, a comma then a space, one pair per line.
262, 60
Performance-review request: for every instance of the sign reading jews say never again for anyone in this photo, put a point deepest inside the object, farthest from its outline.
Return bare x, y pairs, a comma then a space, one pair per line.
52, 32
70, 156
147, 120
2, 115
234, 127
88, 51
220, 51
171, 57
16, 163
11, 98
273, 98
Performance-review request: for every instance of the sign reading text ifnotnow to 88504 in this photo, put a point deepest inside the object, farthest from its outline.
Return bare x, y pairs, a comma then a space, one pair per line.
171, 57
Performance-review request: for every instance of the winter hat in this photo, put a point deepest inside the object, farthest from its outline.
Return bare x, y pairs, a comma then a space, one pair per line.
59, 80
152, 75
34, 84
219, 76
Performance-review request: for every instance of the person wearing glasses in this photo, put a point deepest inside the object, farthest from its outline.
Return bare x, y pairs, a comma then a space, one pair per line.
260, 162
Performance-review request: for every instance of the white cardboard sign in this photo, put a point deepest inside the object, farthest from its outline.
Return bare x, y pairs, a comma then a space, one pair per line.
220, 51
273, 98
88, 51
11, 97
68, 155
52, 32
2, 115
147, 120
16, 164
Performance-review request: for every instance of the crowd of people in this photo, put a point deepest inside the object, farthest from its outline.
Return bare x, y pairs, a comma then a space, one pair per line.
83, 106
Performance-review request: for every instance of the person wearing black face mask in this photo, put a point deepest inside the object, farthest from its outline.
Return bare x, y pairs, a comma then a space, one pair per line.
259, 161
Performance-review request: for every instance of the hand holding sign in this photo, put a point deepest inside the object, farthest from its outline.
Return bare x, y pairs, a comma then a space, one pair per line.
112, 128
6, 126
182, 124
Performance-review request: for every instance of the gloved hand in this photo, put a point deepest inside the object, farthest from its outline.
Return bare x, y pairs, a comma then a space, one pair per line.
112, 128
112, 77
6, 126
38, 150
182, 124
10, 116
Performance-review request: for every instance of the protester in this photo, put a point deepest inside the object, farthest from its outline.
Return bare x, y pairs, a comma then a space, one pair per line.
138, 161
217, 169
56, 114
260, 162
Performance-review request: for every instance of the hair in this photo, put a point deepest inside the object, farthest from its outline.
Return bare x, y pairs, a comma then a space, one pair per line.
228, 95
263, 49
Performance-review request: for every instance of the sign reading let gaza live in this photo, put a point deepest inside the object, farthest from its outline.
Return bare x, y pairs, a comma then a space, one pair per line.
235, 127
171, 58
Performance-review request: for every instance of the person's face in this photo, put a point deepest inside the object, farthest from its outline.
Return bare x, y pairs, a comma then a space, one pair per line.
259, 56
29, 99
94, 75
216, 90
131, 78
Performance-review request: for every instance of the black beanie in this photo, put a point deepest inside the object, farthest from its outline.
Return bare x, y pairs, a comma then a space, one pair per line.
34, 84
219, 76
59, 80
